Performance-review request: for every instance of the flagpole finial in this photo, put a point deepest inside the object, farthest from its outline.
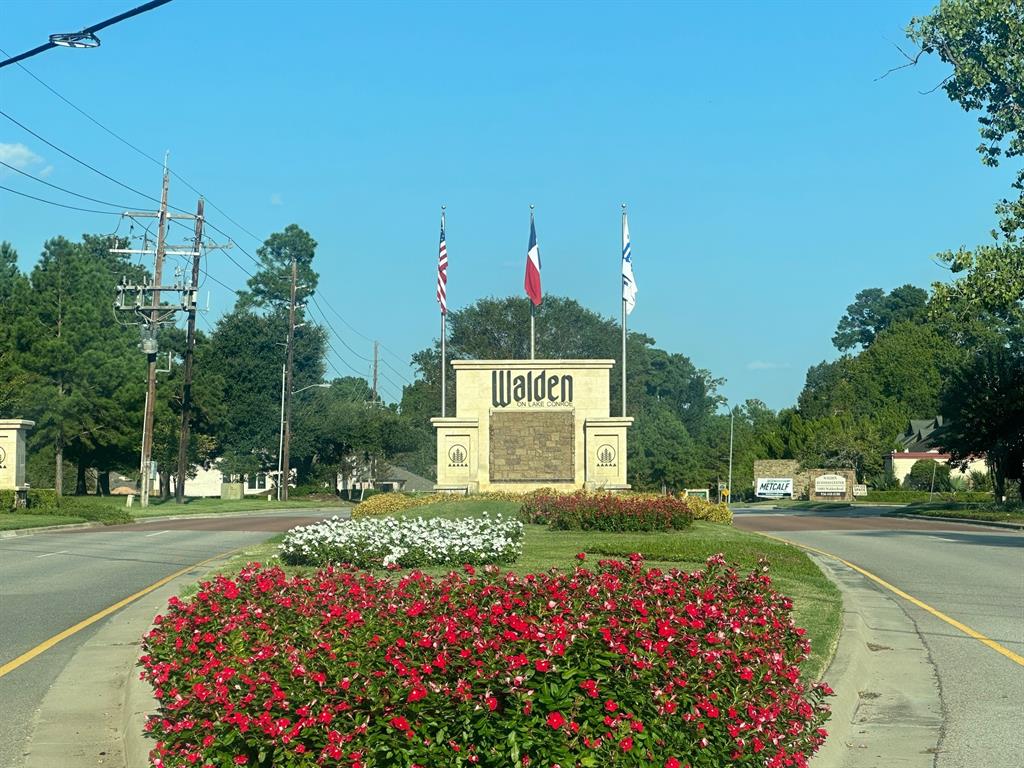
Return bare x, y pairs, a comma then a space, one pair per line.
623, 206
531, 206
443, 206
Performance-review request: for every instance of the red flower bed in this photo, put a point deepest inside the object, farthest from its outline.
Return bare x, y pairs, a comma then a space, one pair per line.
606, 512
618, 666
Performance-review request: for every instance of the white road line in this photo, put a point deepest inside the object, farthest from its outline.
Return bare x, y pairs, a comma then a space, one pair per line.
51, 554
940, 538
157, 533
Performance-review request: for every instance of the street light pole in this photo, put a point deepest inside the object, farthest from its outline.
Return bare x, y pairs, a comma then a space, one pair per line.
280, 442
732, 420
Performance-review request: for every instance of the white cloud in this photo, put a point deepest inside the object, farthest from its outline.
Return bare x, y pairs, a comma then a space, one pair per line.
20, 156
277, 199
46, 172
764, 365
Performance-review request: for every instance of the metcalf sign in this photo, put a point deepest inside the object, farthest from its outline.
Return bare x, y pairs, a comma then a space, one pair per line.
774, 487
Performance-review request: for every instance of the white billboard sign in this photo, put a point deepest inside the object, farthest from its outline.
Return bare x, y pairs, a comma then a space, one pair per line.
860, 490
830, 485
773, 487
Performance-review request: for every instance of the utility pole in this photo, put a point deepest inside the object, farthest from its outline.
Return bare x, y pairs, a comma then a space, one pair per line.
289, 373
190, 343
375, 353
154, 317
152, 314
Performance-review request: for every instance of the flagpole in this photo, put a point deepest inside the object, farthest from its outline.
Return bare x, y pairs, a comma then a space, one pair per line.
623, 324
532, 305
444, 334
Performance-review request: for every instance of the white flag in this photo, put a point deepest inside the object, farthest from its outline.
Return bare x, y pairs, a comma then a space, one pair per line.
628, 281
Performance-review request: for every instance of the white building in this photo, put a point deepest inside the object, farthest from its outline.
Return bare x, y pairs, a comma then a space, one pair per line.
919, 442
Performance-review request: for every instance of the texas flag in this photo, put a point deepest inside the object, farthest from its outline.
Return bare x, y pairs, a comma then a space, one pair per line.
532, 283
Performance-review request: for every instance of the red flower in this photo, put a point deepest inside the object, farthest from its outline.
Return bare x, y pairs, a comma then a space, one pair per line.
241, 760
626, 744
416, 694
400, 723
542, 665
610, 706
672, 762
492, 703
581, 555
590, 688
556, 720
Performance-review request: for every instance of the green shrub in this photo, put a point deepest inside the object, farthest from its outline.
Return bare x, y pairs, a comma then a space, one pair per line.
910, 497
309, 489
928, 474
584, 511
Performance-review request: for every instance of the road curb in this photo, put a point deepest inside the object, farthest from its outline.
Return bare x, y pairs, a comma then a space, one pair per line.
47, 528
1008, 526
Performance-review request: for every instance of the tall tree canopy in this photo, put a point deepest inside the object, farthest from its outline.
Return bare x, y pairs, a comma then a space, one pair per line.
873, 310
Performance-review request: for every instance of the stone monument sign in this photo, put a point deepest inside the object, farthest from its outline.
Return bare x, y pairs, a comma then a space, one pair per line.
526, 424
12, 453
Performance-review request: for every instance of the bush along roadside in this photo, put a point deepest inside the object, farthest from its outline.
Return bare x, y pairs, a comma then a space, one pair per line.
45, 501
398, 542
607, 512
616, 666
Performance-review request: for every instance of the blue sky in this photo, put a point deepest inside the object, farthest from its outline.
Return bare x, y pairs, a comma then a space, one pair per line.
769, 175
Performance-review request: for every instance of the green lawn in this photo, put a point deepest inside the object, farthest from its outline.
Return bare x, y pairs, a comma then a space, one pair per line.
988, 512
10, 521
207, 506
817, 602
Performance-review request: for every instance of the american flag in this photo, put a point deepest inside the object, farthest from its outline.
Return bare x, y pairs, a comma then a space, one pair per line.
442, 271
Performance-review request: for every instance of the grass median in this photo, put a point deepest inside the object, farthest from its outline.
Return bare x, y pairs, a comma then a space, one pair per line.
113, 510
990, 512
817, 602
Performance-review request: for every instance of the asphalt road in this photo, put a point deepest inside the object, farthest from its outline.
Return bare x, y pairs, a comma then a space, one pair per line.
972, 574
51, 581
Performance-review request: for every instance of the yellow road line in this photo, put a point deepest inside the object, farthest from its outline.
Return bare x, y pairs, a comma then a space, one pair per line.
12, 665
1017, 658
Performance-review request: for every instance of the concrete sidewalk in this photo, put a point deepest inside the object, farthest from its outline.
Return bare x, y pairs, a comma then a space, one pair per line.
886, 710
94, 713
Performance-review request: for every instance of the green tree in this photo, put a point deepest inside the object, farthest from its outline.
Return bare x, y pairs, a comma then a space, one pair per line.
270, 287
873, 310
80, 363
249, 349
928, 475
985, 405
14, 287
983, 41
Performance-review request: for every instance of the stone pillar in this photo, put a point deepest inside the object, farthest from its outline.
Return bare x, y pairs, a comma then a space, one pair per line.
12, 456
605, 448
458, 455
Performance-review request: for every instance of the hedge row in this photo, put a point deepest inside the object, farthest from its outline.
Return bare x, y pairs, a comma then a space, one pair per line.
45, 501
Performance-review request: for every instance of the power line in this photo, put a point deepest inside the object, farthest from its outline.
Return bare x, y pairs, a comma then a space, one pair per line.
327, 323
85, 164
59, 205
62, 189
211, 226
131, 146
